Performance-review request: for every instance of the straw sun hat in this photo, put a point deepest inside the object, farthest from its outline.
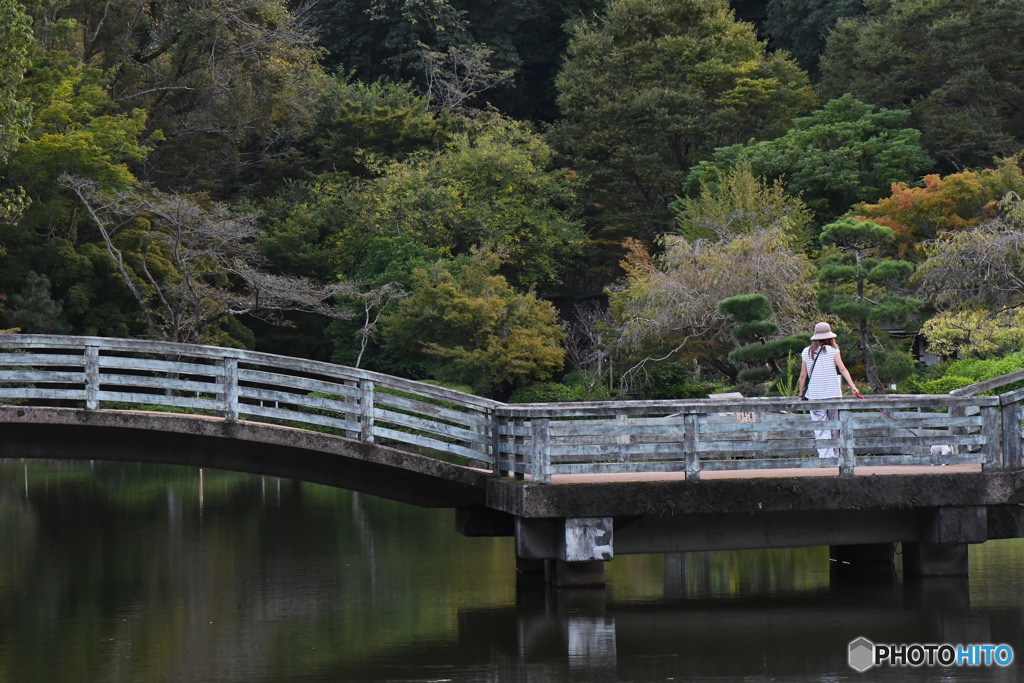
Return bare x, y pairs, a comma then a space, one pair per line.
822, 331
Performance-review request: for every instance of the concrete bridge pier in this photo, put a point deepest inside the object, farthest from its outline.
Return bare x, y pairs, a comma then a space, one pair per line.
935, 559
571, 550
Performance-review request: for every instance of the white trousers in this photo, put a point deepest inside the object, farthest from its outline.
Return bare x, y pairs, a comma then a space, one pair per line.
817, 416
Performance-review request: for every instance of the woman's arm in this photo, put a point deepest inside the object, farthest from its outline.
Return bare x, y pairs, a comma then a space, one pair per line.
803, 377
845, 373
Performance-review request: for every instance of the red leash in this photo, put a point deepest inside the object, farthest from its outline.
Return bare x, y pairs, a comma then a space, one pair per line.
860, 395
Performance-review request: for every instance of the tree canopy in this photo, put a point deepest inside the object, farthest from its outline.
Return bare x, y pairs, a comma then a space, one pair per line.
955, 66
841, 154
651, 87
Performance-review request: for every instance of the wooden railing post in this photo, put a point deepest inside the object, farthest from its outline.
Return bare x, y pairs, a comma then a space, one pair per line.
691, 446
540, 451
366, 410
92, 377
846, 452
230, 389
495, 426
1010, 436
990, 427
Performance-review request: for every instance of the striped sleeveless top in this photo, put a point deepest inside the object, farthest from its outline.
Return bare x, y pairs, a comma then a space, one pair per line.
824, 382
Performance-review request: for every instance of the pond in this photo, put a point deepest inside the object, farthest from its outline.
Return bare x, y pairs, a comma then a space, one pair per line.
131, 572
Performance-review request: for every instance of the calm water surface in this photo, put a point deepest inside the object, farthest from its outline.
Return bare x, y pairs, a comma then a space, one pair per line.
141, 573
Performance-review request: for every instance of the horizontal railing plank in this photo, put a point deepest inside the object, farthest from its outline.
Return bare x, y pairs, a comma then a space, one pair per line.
433, 444
458, 417
421, 424
247, 376
159, 399
294, 416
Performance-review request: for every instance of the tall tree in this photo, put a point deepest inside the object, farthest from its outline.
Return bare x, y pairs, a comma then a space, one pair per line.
956, 201
862, 286
667, 308
224, 82
958, 67
15, 112
16, 39
193, 266
736, 202
465, 323
843, 153
653, 86
802, 26
383, 39
975, 279
493, 187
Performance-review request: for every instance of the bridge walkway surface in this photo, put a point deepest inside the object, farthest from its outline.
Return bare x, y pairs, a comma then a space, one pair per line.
573, 483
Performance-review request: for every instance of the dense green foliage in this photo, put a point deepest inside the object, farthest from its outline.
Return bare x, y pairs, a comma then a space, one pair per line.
503, 194
955, 66
839, 155
651, 88
862, 286
759, 348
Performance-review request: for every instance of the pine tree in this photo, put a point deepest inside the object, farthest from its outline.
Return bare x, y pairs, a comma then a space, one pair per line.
861, 285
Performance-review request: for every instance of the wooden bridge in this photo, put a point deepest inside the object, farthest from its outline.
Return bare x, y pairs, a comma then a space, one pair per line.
641, 472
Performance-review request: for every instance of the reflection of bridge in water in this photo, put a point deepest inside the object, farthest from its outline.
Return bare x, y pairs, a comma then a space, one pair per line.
573, 483
801, 635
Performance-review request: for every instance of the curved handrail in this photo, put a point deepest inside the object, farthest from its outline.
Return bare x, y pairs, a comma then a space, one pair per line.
536, 440
238, 384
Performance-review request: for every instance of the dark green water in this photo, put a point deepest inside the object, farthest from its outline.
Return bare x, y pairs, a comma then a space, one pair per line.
143, 573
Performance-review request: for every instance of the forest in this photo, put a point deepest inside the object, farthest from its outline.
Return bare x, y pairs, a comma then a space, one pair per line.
533, 200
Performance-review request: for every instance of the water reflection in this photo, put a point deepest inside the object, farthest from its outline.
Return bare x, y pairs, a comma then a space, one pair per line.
139, 573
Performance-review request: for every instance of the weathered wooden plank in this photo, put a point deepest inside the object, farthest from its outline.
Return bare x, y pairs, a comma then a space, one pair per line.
433, 444
993, 440
613, 450
298, 400
158, 383
420, 424
513, 429
45, 376
286, 415
564, 430
619, 468
302, 384
458, 417
42, 394
158, 399
795, 462
1011, 415
989, 384
160, 366
41, 359
933, 460
755, 405
540, 452
1012, 397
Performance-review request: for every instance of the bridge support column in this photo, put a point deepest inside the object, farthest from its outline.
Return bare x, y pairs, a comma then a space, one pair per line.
575, 574
935, 559
573, 549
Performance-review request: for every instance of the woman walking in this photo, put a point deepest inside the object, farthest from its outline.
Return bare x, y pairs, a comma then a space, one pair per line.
820, 378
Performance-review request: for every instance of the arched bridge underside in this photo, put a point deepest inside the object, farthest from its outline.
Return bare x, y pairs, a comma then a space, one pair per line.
210, 442
573, 483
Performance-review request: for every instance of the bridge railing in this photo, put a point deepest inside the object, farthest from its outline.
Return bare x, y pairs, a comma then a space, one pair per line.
542, 440
535, 440
130, 374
